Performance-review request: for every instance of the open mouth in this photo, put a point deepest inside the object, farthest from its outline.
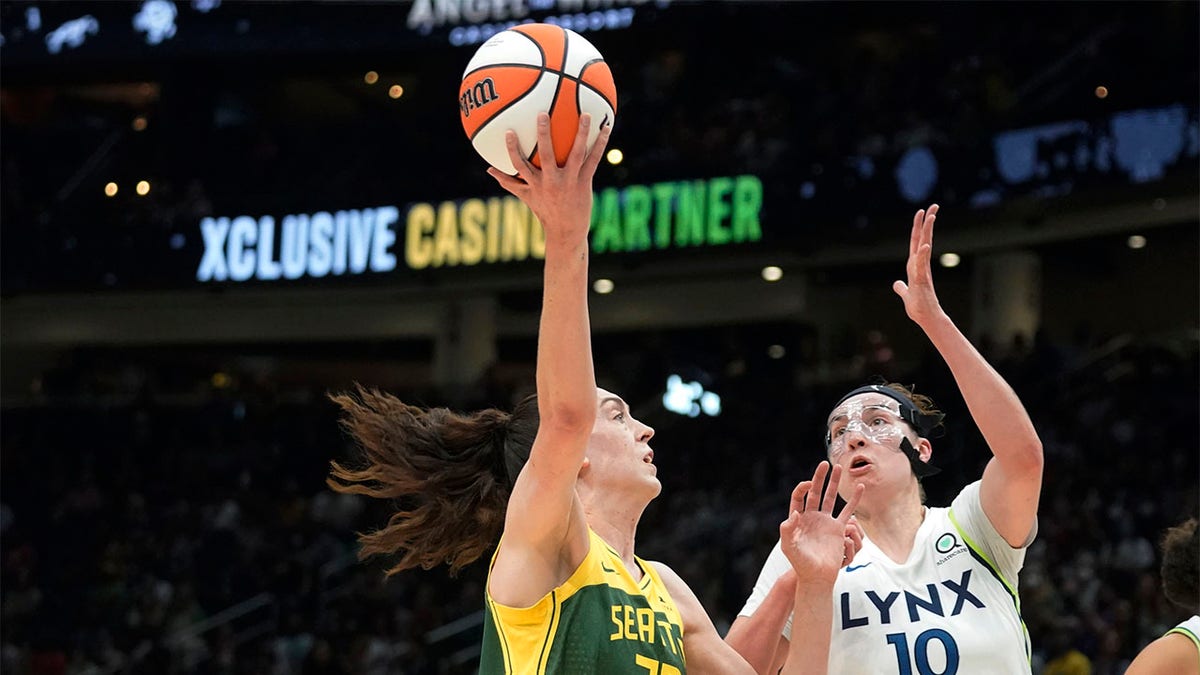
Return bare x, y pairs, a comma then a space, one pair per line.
859, 463
649, 458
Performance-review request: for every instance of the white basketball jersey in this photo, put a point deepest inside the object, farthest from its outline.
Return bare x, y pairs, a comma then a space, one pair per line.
952, 607
1189, 629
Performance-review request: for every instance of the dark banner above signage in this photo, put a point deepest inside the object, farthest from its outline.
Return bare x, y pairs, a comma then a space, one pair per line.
57, 34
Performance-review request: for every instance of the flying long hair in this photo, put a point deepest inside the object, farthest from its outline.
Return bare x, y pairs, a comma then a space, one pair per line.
449, 475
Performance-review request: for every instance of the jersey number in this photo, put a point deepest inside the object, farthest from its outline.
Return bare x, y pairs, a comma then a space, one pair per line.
921, 650
655, 667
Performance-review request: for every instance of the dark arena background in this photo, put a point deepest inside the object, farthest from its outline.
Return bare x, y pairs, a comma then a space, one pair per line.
168, 347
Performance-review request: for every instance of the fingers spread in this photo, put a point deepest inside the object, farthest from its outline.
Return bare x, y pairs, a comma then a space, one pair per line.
579, 147
830, 497
522, 165
597, 151
914, 237
798, 496
545, 142
813, 502
514, 185
852, 503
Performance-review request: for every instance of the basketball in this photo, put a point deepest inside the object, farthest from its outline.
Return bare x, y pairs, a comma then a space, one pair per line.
526, 70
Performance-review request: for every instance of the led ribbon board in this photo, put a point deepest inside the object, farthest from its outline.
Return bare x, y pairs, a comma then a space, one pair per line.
669, 215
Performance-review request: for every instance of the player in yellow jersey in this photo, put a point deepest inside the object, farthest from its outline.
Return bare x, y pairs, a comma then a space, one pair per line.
563, 481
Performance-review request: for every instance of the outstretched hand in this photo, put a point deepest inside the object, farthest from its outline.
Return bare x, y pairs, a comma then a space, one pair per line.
560, 196
920, 300
815, 541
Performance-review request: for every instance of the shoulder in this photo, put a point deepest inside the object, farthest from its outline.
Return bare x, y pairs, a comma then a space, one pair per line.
669, 578
681, 594
1171, 653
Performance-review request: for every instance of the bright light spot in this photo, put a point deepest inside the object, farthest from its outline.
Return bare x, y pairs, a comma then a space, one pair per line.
220, 380
1136, 241
110, 189
949, 259
72, 33
139, 123
776, 351
614, 156
396, 91
143, 187
1101, 91
710, 403
157, 20
371, 77
689, 398
603, 286
772, 273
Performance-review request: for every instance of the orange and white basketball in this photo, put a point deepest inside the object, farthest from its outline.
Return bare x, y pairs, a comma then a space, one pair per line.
529, 69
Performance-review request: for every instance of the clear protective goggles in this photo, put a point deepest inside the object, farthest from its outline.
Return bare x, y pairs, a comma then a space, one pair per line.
876, 422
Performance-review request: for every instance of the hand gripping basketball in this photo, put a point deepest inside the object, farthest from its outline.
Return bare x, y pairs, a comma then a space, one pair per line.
527, 70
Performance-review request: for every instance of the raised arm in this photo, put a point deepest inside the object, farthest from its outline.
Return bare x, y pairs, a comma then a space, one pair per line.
758, 634
1012, 481
758, 637
539, 540
816, 543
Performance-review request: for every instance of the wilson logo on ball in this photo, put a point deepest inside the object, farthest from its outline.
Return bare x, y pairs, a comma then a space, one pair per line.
483, 93
539, 68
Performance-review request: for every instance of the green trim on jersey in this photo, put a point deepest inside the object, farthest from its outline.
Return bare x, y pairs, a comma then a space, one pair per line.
598, 621
1187, 633
992, 567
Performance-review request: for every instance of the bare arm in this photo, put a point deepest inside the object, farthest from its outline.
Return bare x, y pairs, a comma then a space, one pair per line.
816, 544
757, 637
1012, 481
705, 650
536, 546
1171, 653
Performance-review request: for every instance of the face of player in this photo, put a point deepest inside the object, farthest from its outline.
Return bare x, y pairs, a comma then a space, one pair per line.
865, 432
619, 457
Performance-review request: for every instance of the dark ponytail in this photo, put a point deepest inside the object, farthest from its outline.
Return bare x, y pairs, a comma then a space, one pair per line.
449, 474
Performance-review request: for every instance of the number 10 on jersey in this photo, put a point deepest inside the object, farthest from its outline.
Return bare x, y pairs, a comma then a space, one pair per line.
921, 652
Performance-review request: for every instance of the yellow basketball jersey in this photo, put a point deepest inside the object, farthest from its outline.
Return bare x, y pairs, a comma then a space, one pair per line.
599, 621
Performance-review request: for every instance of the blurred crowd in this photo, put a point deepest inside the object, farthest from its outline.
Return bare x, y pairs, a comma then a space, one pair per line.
156, 524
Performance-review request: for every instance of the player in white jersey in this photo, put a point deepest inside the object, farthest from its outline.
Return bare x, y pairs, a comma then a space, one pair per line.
933, 590
1177, 652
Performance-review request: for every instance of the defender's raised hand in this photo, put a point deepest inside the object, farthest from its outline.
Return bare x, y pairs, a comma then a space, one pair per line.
815, 541
560, 197
920, 300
